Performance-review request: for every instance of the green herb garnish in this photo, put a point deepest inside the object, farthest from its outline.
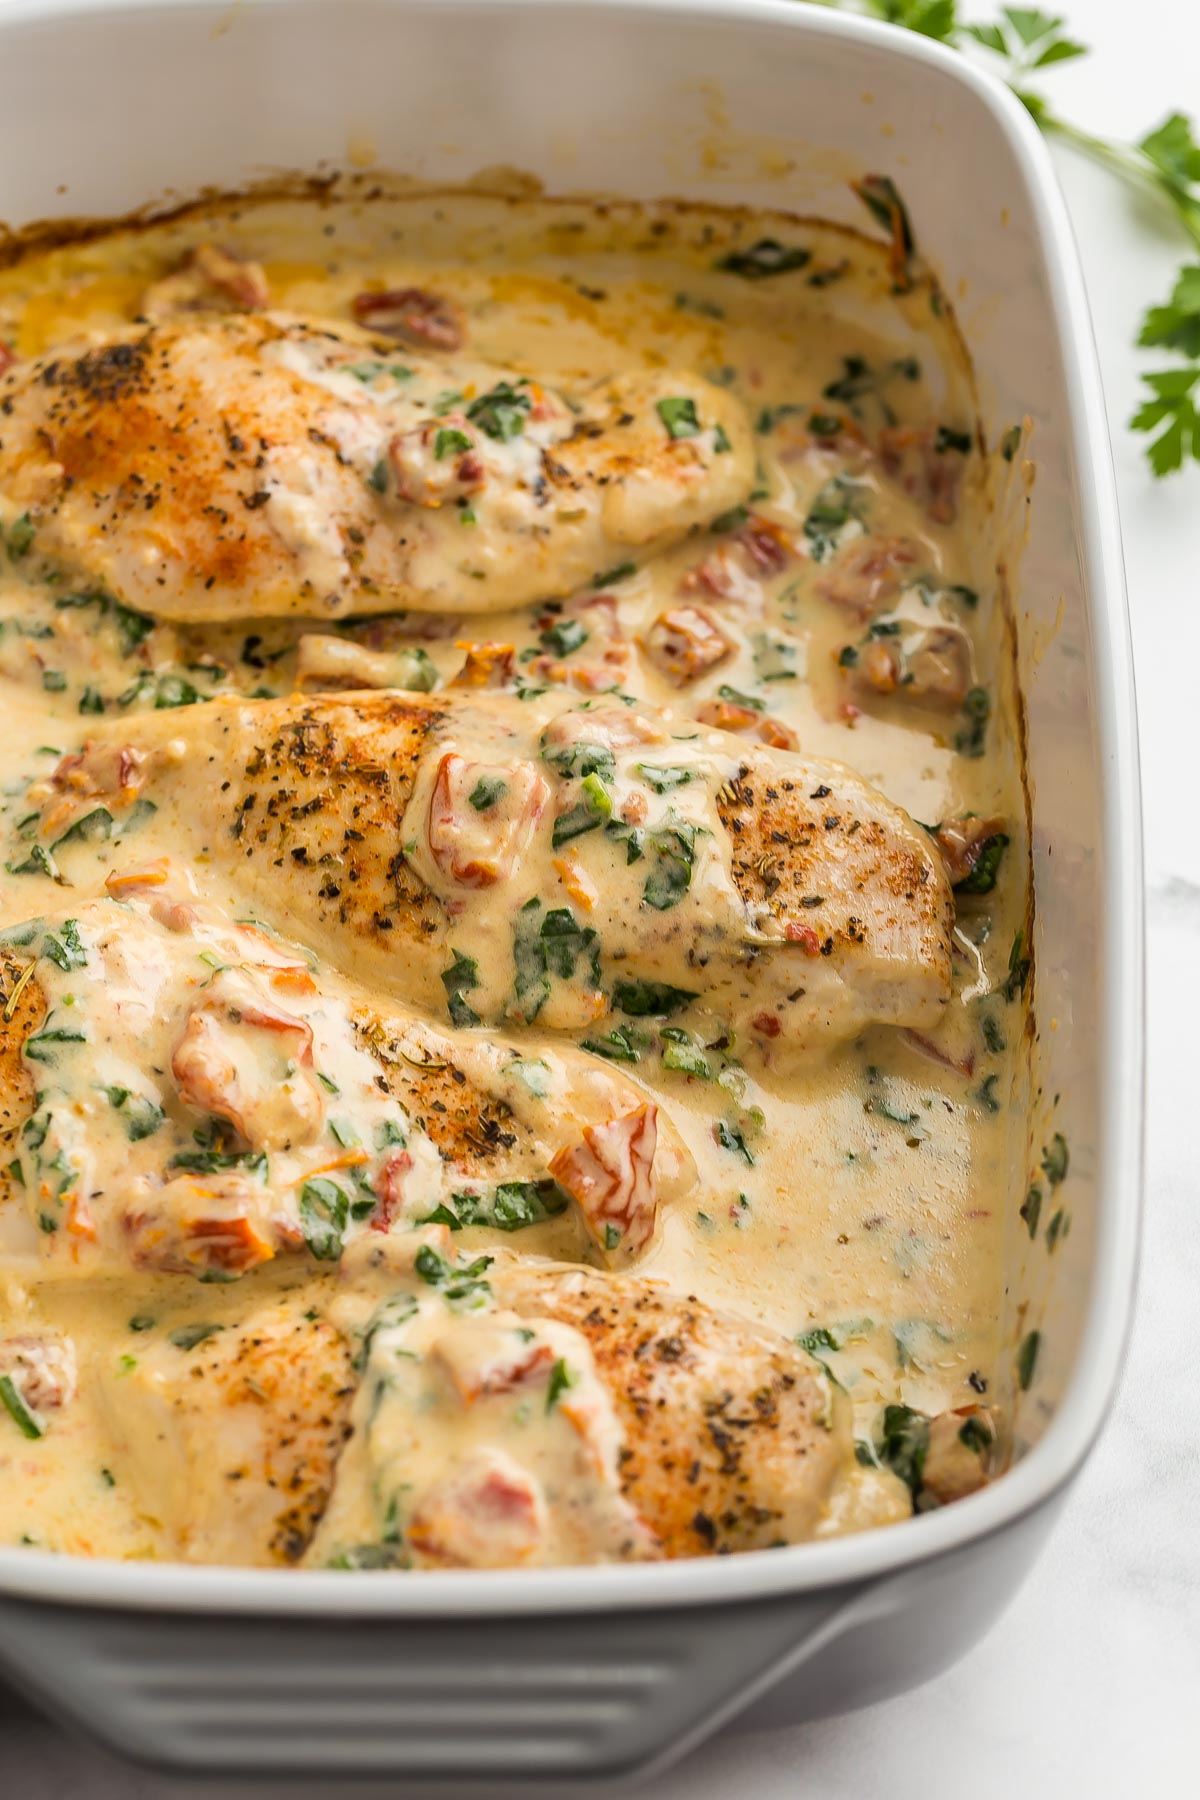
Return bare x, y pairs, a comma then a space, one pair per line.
561, 1378
765, 258
190, 1337
501, 411
487, 791
642, 999
678, 414
458, 980
324, 1210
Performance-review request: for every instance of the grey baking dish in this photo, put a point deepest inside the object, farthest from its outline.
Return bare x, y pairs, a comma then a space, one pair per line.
540, 1680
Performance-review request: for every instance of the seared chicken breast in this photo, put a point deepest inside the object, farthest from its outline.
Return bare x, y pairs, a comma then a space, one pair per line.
230, 1435
514, 1412
182, 1092
217, 467
491, 862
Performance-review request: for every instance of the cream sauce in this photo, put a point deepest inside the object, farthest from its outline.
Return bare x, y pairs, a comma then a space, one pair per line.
851, 1198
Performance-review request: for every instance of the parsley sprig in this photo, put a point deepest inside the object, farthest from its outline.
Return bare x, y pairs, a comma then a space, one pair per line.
1164, 164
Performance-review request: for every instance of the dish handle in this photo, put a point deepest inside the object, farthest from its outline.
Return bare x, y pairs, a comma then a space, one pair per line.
536, 1701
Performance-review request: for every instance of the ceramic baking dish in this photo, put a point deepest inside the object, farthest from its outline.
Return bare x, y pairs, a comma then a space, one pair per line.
542, 1679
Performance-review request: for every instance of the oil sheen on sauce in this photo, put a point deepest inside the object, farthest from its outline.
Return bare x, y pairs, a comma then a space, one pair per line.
842, 1187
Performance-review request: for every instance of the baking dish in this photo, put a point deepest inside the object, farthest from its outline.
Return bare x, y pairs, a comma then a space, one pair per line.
544, 1679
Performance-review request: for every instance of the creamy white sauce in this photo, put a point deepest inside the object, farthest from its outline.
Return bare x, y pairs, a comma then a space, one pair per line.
854, 1192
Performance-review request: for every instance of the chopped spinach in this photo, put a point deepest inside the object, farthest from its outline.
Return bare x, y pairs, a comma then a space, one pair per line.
1027, 1358
683, 1055
735, 697
19, 537
562, 1377
22, 1415
731, 1138
65, 947
465, 1288
764, 258
580, 759
662, 778
678, 414
36, 1047
501, 411
903, 1445
975, 1435
510, 1206
449, 442
564, 637
1031, 1208
190, 1337
487, 791
986, 867
641, 999
459, 979
977, 706
946, 439
618, 1046
987, 1094
861, 382
324, 1210
1019, 966
610, 577
672, 849
1056, 1159
839, 503
881, 198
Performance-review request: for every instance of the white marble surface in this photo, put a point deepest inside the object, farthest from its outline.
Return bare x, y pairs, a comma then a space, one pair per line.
1091, 1681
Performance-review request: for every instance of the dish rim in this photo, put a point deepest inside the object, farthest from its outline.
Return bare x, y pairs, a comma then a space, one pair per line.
1032, 1483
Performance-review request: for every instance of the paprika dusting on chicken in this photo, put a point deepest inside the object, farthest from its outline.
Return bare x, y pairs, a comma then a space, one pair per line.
513, 915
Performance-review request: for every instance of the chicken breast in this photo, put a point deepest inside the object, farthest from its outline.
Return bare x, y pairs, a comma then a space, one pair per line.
233, 466
183, 1092
514, 1412
229, 1436
491, 859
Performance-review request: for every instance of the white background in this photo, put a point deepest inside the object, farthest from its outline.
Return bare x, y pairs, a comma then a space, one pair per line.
1090, 1684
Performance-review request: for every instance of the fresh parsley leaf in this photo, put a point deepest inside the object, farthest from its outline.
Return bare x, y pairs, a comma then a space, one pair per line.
1176, 325
1173, 406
